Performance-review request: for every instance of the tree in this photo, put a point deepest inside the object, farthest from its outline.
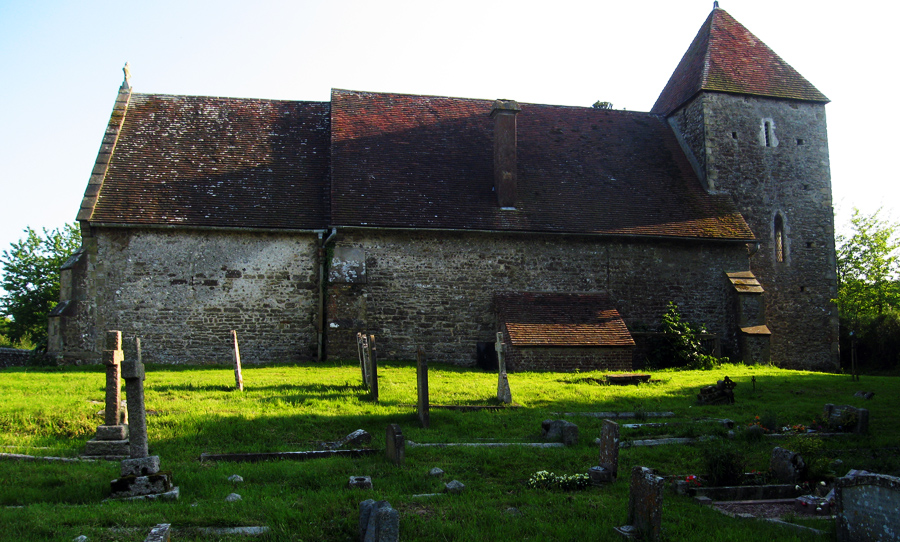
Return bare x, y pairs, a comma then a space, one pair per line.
31, 280
868, 268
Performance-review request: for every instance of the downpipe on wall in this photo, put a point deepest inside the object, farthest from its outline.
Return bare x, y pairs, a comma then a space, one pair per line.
320, 340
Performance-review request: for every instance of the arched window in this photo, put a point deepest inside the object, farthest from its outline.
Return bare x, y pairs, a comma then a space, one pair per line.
780, 244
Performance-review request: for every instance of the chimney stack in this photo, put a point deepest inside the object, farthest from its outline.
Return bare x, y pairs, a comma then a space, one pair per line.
505, 174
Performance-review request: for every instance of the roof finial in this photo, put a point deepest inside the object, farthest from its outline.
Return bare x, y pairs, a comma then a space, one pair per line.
715, 4
127, 82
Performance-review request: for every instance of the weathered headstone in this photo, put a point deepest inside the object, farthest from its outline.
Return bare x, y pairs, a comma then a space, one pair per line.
504, 394
644, 505
133, 373
720, 394
868, 508
378, 522
373, 368
395, 444
238, 377
847, 418
362, 345
112, 437
786, 466
560, 430
609, 448
422, 387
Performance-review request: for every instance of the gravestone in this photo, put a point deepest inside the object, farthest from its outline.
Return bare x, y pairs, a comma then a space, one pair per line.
360, 482
378, 522
140, 475
504, 394
560, 430
422, 387
722, 393
847, 418
609, 448
868, 507
160, 533
362, 346
644, 505
238, 377
787, 467
395, 444
112, 437
356, 438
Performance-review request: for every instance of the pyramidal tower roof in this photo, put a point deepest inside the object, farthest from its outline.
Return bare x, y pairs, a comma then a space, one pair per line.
726, 57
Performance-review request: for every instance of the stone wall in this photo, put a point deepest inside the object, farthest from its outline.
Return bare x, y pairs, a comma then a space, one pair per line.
568, 360
436, 289
790, 178
182, 292
14, 357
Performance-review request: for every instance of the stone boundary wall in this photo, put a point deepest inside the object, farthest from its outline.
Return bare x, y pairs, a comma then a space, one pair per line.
436, 289
14, 357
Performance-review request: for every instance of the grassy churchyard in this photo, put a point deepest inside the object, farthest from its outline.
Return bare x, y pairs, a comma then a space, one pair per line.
193, 410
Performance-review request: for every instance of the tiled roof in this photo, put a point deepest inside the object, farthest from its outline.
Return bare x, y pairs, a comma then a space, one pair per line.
555, 319
218, 162
401, 161
726, 57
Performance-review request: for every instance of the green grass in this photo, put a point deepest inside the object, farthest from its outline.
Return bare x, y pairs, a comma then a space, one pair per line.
54, 411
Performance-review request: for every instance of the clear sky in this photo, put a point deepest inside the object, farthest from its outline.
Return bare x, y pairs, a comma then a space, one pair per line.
60, 67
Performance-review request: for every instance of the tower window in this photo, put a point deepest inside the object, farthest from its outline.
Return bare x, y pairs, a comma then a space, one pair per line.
733, 135
800, 141
780, 245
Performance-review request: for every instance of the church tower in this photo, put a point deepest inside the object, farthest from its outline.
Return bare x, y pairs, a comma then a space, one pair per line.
754, 128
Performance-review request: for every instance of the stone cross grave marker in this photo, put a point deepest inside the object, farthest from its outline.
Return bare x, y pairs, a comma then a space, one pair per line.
133, 373
238, 377
422, 386
504, 395
112, 437
396, 446
609, 448
644, 505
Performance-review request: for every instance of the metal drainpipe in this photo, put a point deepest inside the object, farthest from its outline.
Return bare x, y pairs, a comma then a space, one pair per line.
321, 326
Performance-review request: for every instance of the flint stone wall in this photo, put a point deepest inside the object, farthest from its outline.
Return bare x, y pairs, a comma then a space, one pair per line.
437, 288
725, 135
14, 357
182, 292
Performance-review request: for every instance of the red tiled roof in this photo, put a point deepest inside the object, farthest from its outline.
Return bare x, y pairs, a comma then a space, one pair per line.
556, 319
726, 57
219, 162
401, 161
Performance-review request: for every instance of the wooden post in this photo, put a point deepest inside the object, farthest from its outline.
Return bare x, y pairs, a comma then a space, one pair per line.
373, 368
238, 377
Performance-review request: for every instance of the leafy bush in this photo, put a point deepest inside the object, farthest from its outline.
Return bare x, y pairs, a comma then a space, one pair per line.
724, 464
681, 345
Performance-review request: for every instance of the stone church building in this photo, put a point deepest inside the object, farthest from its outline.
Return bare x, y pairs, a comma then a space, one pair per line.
439, 221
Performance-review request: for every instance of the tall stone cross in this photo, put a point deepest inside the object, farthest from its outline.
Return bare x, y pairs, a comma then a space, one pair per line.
504, 394
133, 373
112, 359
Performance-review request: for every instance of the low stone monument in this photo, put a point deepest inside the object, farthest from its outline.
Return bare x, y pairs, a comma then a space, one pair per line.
560, 430
111, 439
378, 522
644, 505
720, 394
140, 474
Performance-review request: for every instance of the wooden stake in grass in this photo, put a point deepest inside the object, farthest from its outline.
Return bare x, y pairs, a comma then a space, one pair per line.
238, 378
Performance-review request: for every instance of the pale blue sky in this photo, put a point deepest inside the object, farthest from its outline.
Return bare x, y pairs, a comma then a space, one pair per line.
60, 64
